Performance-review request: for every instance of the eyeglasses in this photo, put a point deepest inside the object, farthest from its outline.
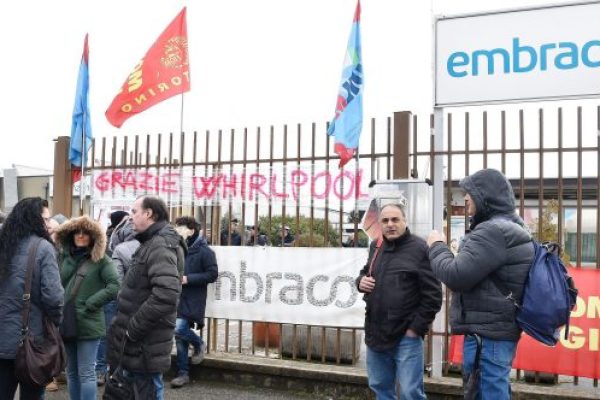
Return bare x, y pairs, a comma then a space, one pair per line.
394, 220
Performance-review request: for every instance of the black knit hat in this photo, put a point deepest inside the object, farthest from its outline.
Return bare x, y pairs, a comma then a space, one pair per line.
116, 217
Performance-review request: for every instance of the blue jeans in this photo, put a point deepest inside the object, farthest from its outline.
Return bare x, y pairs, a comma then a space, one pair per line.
402, 364
141, 380
110, 309
184, 336
495, 365
81, 374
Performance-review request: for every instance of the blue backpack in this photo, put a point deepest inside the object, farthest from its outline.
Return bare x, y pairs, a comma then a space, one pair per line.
548, 297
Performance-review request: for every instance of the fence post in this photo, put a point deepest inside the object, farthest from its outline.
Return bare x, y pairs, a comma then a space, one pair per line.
62, 197
402, 121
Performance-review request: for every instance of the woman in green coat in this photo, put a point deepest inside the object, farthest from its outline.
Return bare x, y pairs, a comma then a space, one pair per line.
90, 280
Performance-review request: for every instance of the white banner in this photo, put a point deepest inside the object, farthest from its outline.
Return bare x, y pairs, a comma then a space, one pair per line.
296, 185
550, 52
313, 286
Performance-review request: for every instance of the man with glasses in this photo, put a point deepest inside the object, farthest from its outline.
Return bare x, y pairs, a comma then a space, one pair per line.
402, 299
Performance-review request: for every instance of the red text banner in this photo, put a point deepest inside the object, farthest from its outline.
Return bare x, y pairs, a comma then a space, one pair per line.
579, 354
186, 186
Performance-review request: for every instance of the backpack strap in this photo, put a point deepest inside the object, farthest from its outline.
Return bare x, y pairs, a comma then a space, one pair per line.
82, 271
27, 289
377, 247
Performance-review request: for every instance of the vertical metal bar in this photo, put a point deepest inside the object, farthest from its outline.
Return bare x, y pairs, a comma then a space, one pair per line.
245, 240
294, 341
338, 337
280, 326
503, 133
327, 159
214, 234
240, 337
373, 152
449, 181
323, 350
389, 146
255, 199
267, 346
597, 198
170, 168
208, 335
415, 171
561, 214
136, 150
522, 154
485, 140
308, 343
312, 174
271, 152
541, 173
283, 202
579, 185
227, 335
299, 143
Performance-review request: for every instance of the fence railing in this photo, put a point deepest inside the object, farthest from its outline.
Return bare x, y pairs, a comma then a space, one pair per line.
550, 155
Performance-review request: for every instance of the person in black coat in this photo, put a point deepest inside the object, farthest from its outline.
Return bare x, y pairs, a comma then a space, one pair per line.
200, 269
402, 298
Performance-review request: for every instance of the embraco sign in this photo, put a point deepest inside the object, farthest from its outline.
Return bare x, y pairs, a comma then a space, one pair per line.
518, 55
296, 285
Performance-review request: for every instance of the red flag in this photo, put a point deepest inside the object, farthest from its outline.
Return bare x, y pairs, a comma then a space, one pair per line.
162, 73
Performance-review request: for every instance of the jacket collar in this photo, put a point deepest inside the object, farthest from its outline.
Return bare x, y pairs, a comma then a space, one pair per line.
390, 245
150, 232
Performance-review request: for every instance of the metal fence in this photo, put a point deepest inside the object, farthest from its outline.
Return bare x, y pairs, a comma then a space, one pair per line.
550, 155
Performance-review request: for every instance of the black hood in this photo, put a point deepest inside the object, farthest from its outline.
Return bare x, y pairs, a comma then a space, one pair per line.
493, 196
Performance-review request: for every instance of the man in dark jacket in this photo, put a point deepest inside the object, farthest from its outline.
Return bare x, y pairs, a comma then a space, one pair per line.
402, 299
147, 302
200, 269
497, 247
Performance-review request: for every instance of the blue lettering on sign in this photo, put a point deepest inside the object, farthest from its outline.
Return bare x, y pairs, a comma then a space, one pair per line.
523, 58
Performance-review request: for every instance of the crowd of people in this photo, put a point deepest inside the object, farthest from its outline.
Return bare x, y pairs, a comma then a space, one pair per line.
122, 296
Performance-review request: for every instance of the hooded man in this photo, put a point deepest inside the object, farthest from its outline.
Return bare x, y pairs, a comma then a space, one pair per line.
497, 247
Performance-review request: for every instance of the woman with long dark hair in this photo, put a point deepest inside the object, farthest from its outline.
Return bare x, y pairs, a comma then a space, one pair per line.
23, 226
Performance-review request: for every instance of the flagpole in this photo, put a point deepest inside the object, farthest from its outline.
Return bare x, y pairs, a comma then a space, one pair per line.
181, 116
83, 156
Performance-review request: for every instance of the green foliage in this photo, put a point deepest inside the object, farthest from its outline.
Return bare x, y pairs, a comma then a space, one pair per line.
302, 232
549, 231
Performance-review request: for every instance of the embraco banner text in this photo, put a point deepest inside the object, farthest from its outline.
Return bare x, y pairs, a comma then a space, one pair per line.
296, 185
313, 286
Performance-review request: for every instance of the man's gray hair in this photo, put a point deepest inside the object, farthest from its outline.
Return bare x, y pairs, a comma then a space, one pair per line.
399, 206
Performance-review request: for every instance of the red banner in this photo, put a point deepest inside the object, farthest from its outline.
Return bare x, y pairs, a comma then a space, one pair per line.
162, 73
579, 354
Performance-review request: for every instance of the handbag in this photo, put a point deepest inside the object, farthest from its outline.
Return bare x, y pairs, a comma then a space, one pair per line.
37, 361
118, 386
68, 328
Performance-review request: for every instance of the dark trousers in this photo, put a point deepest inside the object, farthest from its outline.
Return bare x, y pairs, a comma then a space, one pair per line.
8, 384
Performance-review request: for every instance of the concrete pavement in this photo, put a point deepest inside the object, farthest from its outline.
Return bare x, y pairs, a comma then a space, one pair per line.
209, 391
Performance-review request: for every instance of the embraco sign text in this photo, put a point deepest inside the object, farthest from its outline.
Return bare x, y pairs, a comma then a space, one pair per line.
314, 286
290, 184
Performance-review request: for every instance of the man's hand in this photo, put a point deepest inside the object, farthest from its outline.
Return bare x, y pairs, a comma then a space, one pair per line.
435, 236
184, 280
367, 284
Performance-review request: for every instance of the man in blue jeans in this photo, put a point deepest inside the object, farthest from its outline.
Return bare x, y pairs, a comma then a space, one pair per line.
402, 299
200, 269
497, 248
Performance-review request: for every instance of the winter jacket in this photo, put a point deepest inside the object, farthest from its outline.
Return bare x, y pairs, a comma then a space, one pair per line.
200, 270
147, 302
46, 295
100, 284
123, 245
497, 244
406, 295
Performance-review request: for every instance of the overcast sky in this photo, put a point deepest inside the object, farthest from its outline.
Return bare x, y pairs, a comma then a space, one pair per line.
257, 62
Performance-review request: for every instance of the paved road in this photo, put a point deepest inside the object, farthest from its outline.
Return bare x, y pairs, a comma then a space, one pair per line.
210, 391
